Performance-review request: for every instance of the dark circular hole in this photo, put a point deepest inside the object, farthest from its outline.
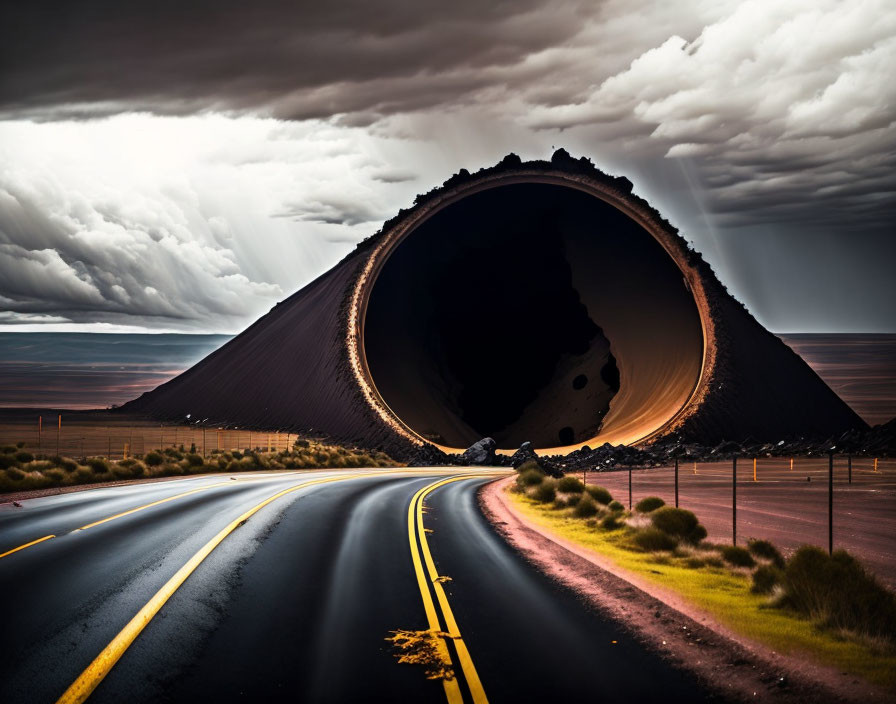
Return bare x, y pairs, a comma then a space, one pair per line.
566, 435
579, 382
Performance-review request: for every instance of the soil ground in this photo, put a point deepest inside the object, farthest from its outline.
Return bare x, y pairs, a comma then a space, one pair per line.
790, 508
91, 433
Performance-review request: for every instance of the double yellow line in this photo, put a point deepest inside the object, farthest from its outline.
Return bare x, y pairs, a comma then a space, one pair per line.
430, 580
91, 677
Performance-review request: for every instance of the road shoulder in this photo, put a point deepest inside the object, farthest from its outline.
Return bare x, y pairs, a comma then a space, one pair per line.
734, 667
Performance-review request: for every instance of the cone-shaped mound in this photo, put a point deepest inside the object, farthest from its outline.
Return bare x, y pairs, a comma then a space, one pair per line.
533, 301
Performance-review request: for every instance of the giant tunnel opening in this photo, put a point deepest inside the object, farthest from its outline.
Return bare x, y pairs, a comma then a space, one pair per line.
532, 311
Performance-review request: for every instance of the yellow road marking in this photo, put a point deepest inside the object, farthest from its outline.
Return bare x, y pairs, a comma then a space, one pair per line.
415, 528
150, 505
463, 654
452, 688
27, 545
91, 677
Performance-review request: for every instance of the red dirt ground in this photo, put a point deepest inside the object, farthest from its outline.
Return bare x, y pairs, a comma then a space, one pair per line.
782, 506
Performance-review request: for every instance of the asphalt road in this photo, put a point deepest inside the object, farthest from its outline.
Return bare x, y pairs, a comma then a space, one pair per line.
295, 604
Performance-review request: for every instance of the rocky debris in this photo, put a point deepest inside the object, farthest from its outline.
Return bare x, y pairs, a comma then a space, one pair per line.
481, 452
524, 454
430, 456
879, 441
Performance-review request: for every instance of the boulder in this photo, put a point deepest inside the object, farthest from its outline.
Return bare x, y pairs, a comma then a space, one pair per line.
523, 455
481, 452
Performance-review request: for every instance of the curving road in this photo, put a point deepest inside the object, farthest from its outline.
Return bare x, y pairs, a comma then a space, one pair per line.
181, 601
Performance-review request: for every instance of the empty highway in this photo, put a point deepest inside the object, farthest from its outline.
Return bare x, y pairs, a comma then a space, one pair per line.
285, 587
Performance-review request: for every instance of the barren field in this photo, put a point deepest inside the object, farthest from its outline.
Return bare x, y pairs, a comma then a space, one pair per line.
85, 434
790, 508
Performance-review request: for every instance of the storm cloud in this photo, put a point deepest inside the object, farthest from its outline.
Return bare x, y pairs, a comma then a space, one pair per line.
185, 166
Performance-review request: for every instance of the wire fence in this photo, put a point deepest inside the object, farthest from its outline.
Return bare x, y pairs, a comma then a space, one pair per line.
54, 435
791, 502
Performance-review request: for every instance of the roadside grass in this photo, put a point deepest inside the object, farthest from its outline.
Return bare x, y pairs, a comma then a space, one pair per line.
24, 472
698, 575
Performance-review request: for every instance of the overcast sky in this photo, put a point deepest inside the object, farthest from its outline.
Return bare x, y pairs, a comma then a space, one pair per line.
171, 169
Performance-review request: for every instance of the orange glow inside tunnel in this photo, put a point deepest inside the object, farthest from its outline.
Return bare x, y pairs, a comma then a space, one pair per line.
532, 312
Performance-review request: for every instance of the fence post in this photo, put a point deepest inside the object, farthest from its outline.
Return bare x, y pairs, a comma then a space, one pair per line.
40, 423
676, 483
629, 487
58, 431
754, 469
849, 467
830, 501
734, 501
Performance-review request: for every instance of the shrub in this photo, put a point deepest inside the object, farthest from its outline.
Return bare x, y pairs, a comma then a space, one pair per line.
610, 522
233, 466
67, 464
839, 593
138, 469
649, 504
601, 495
737, 556
616, 506
678, 522
8, 449
545, 492
585, 508
15, 473
98, 464
122, 471
170, 470
83, 475
764, 549
55, 475
195, 460
7, 461
20, 444
570, 485
530, 477
127, 462
24, 457
653, 539
153, 459
765, 579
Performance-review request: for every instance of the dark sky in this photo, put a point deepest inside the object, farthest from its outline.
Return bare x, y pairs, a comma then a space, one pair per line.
183, 166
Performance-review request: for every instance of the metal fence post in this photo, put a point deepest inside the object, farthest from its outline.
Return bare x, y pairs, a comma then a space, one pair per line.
734, 501
849, 467
676, 483
830, 501
629, 487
